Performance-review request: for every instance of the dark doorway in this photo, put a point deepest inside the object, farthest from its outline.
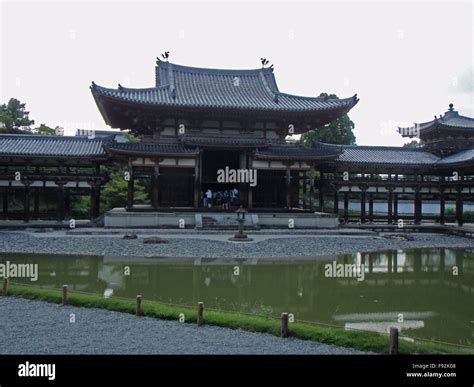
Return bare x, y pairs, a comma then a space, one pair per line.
212, 162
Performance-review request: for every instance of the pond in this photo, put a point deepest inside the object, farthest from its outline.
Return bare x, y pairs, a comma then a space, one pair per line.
428, 293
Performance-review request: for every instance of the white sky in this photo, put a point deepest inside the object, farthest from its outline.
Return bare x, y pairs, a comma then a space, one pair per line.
406, 61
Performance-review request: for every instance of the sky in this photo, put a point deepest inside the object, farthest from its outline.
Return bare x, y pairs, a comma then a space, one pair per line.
406, 61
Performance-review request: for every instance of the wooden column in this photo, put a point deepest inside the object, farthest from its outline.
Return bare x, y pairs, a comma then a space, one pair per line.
371, 207
288, 187
459, 207
243, 187
250, 189
5, 202
155, 185
346, 207
26, 202
311, 189
36, 202
336, 201
197, 183
362, 204
130, 187
67, 203
418, 204
321, 191
95, 200
390, 205
60, 196
442, 208
395, 206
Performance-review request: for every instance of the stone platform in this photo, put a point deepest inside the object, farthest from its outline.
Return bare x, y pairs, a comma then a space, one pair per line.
121, 218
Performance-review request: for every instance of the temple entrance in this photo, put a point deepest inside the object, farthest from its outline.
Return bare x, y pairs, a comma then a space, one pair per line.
212, 162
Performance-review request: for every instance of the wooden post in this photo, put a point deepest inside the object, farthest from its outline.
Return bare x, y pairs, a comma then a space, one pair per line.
393, 341
200, 316
346, 207
442, 208
64, 294
138, 310
336, 202
371, 207
60, 198
362, 205
459, 207
418, 204
5, 286
284, 325
5, 203
197, 183
288, 187
26, 202
130, 186
390, 206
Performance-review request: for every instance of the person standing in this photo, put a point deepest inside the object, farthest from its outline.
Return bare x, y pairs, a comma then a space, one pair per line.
209, 198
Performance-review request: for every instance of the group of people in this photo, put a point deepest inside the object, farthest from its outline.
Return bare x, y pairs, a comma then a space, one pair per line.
223, 199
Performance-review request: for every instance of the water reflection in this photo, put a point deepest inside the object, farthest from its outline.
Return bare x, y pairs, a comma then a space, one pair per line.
414, 289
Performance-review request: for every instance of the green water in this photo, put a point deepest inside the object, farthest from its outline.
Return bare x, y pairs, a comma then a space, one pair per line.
418, 284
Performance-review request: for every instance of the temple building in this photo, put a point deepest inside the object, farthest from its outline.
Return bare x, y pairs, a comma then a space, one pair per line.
195, 122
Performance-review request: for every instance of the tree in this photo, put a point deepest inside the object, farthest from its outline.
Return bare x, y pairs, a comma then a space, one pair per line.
45, 130
115, 191
13, 116
338, 131
411, 144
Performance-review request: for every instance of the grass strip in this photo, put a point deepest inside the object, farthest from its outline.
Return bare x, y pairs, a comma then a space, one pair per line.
361, 340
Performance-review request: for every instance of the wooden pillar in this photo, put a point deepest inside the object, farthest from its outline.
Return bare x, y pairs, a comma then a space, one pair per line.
155, 186
371, 207
346, 207
5, 202
95, 200
197, 183
288, 187
390, 206
130, 187
60, 197
442, 208
249, 187
67, 203
459, 207
336, 201
321, 191
362, 204
243, 187
418, 204
26, 202
36, 202
395, 206
311, 189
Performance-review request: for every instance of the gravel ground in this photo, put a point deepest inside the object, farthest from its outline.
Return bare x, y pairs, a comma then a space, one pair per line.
279, 247
36, 327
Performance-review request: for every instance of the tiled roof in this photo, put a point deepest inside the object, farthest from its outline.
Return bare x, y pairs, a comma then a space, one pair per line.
355, 154
351, 154
450, 120
49, 146
457, 158
185, 86
143, 148
295, 152
224, 140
